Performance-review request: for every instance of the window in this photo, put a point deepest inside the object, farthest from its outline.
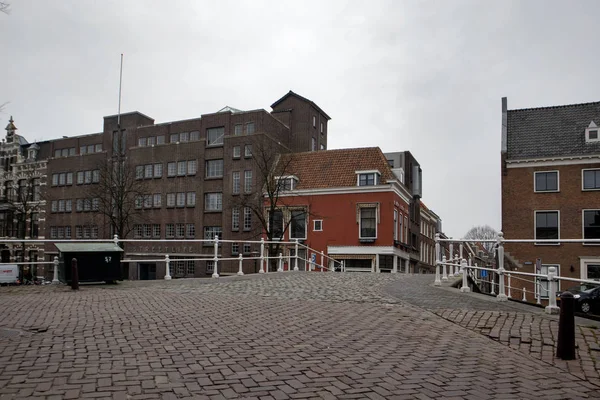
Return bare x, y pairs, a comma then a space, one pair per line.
213, 201
68, 232
181, 168
247, 218
87, 204
158, 170
156, 230
68, 205
147, 201
210, 267
170, 230
80, 177
591, 179
317, 225
286, 183
322, 147
321, 127
395, 224
211, 231
170, 199
543, 284
298, 224
88, 176
179, 230
160, 139
148, 171
368, 223
139, 201
61, 232
142, 142
194, 136
214, 136
248, 150
214, 168
86, 232
237, 129
546, 225
79, 206
236, 182
314, 121
174, 138
192, 166
591, 133
236, 151
82, 149
249, 128
53, 231
191, 199
69, 178
591, 225
181, 199
184, 137
314, 144
247, 181
90, 148
96, 176
235, 248
190, 231
235, 219
277, 229
172, 169
546, 181
62, 178
368, 179
98, 148
147, 230
151, 141
157, 200
405, 229
247, 248
139, 172
78, 231
54, 206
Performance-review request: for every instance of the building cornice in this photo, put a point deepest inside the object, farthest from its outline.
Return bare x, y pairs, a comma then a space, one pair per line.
553, 161
346, 190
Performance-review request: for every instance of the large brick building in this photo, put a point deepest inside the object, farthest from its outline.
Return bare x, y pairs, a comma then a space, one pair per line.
192, 172
551, 188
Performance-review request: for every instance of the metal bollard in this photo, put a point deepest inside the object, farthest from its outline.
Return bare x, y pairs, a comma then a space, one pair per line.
74, 275
565, 348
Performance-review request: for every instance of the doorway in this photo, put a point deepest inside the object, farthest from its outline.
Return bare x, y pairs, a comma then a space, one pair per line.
147, 271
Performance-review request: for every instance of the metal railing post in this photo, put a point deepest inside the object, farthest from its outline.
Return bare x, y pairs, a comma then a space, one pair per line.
460, 256
280, 266
322, 265
296, 258
438, 280
501, 295
524, 295
167, 267
538, 286
262, 256
508, 295
240, 270
551, 308
216, 258
451, 258
116, 239
465, 284
55, 278
444, 269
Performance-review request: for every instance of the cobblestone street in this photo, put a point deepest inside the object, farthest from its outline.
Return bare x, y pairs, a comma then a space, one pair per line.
280, 336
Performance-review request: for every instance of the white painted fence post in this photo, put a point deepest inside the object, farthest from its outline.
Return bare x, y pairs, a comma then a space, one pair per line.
444, 269
465, 284
280, 267
551, 308
262, 256
216, 258
240, 270
451, 258
322, 265
296, 258
116, 239
55, 278
167, 268
524, 295
438, 280
508, 295
460, 256
501, 295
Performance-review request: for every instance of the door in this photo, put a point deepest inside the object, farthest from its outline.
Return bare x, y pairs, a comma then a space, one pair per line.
147, 271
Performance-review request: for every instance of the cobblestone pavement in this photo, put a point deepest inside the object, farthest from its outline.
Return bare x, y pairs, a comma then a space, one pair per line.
522, 327
279, 336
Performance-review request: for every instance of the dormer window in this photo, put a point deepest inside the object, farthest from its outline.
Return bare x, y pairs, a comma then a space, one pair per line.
368, 178
591, 133
287, 183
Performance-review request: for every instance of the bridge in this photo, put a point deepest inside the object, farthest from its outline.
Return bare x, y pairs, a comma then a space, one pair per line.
285, 335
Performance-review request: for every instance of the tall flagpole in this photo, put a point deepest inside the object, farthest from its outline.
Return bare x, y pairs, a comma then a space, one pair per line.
120, 82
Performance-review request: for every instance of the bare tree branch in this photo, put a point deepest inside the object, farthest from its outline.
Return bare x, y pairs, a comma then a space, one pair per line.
483, 232
4, 7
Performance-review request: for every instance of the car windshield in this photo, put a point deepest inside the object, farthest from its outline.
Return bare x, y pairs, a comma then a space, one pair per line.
584, 287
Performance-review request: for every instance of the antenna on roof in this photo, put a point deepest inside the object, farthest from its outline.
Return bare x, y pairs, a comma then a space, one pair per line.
120, 82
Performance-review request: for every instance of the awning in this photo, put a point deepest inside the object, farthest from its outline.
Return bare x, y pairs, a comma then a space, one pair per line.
92, 247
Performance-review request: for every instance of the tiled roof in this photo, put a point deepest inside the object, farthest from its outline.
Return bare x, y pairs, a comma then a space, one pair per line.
551, 131
335, 168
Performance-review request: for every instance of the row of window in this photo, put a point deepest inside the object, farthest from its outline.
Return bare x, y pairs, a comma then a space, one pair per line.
81, 232
548, 181
83, 177
235, 219
547, 224
66, 205
214, 136
174, 168
23, 191
174, 230
237, 151
297, 224
236, 176
70, 151
400, 227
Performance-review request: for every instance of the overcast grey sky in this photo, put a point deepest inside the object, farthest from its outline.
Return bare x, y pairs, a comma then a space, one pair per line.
402, 75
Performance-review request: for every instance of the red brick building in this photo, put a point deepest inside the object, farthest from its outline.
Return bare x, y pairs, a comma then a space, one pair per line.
551, 188
349, 205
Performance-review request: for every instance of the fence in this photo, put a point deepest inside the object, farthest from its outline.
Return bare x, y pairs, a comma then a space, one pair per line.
318, 261
459, 266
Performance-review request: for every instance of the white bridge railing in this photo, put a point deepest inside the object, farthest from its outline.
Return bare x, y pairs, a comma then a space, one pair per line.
456, 265
317, 262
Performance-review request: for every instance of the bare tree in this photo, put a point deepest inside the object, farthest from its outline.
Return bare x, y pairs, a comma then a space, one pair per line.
4, 7
274, 212
119, 195
483, 232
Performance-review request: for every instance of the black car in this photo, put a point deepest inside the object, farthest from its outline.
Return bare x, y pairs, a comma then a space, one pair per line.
587, 298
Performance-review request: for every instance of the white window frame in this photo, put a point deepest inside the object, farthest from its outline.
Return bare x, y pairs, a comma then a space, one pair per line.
539, 279
592, 127
235, 219
247, 218
583, 265
546, 172
248, 181
236, 152
396, 224
360, 223
305, 213
582, 180
320, 221
377, 177
213, 199
583, 226
212, 168
535, 227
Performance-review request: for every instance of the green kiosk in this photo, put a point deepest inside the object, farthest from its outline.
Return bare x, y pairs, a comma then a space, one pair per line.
96, 262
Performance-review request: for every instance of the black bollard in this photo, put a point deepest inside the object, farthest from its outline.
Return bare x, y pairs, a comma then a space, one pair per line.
74, 275
565, 348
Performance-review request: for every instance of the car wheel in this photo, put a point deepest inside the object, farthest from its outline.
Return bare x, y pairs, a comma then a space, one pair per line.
585, 307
